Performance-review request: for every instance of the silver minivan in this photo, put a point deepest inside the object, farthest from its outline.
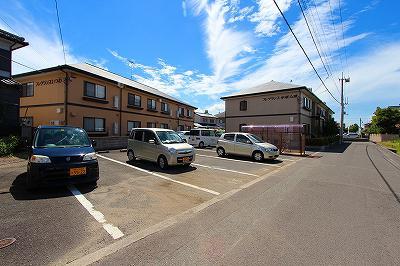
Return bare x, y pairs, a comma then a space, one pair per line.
246, 144
163, 146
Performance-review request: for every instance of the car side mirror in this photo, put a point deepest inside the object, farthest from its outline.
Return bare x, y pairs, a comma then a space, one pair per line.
152, 141
94, 143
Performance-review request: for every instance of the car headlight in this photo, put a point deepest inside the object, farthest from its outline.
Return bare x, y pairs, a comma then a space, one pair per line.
39, 159
172, 150
90, 156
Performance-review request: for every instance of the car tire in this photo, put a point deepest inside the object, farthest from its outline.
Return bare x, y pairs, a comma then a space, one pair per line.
201, 145
131, 156
220, 152
258, 156
162, 162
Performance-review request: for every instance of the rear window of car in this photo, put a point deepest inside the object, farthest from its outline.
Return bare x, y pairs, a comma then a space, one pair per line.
194, 132
229, 137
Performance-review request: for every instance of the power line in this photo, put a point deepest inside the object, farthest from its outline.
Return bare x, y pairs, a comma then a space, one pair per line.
334, 29
18, 63
312, 37
344, 41
316, 72
59, 27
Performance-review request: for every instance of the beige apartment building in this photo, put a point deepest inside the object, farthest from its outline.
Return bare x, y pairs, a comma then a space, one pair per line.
103, 103
276, 103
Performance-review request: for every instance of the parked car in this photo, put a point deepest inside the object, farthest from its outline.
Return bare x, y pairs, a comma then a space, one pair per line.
350, 135
184, 135
61, 155
203, 137
163, 146
246, 144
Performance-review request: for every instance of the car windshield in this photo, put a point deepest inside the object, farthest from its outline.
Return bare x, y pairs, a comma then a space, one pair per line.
61, 137
168, 137
255, 138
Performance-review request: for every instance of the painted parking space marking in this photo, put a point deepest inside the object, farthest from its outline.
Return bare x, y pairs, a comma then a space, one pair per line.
223, 169
161, 176
229, 159
111, 229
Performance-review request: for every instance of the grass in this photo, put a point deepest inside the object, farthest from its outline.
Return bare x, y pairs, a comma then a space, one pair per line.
393, 144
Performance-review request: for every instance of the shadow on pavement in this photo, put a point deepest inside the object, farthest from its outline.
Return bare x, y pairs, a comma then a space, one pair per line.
249, 159
19, 190
175, 169
335, 148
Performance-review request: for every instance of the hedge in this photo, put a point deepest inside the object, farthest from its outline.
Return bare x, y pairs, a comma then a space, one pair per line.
8, 145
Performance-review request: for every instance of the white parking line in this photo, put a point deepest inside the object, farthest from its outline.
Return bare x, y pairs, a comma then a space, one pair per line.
111, 229
222, 169
161, 176
223, 158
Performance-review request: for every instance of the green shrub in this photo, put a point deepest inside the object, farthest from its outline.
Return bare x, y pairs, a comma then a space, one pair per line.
322, 141
8, 145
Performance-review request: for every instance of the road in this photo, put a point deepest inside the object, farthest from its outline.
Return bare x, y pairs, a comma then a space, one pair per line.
333, 209
340, 206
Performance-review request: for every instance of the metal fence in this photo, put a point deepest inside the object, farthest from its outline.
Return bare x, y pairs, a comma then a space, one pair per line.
287, 138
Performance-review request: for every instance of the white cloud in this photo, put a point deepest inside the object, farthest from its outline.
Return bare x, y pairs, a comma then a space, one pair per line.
214, 108
45, 48
266, 16
184, 8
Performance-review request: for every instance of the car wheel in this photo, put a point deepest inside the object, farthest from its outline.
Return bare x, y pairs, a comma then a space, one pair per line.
201, 145
220, 151
131, 156
258, 156
162, 162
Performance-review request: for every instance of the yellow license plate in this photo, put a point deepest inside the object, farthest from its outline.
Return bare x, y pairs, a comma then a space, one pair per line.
77, 171
186, 159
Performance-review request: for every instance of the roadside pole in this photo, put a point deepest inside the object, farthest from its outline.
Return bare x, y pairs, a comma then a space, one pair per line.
342, 106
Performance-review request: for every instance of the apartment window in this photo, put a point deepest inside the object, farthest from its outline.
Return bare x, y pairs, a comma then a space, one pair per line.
151, 104
134, 100
241, 127
94, 90
181, 111
133, 124
243, 105
212, 121
165, 107
151, 125
94, 124
306, 103
162, 125
189, 113
27, 89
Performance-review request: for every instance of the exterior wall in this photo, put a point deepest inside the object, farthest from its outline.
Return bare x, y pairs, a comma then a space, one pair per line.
382, 137
47, 104
9, 109
262, 109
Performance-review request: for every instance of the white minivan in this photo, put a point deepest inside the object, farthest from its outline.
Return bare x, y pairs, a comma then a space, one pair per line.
163, 146
203, 137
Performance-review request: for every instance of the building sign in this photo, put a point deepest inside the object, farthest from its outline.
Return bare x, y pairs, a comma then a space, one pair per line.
283, 97
49, 82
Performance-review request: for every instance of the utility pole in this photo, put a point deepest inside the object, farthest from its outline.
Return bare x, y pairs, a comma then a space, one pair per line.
342, 106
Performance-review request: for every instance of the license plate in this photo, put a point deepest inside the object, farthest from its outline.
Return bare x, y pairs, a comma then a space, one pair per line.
77, 171
186, 159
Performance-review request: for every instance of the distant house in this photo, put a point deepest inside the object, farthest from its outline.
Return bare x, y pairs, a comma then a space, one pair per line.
220, 120
205, 119
277, 103
9, 88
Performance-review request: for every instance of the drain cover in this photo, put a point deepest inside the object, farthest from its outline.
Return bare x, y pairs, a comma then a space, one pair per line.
6, 242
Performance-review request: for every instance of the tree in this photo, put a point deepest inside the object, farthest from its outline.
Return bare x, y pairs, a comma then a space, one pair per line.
353, 128
384, 120
331, 127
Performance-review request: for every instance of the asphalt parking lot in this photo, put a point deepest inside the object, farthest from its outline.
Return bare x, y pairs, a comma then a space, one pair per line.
129, 199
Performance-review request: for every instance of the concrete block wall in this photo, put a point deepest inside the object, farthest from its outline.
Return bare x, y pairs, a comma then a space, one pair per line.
110, 143
382, 137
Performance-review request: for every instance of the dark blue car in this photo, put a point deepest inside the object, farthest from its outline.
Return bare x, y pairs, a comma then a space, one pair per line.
61, 155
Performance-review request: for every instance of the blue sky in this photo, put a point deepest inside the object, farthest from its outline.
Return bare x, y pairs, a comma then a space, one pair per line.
200, 50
